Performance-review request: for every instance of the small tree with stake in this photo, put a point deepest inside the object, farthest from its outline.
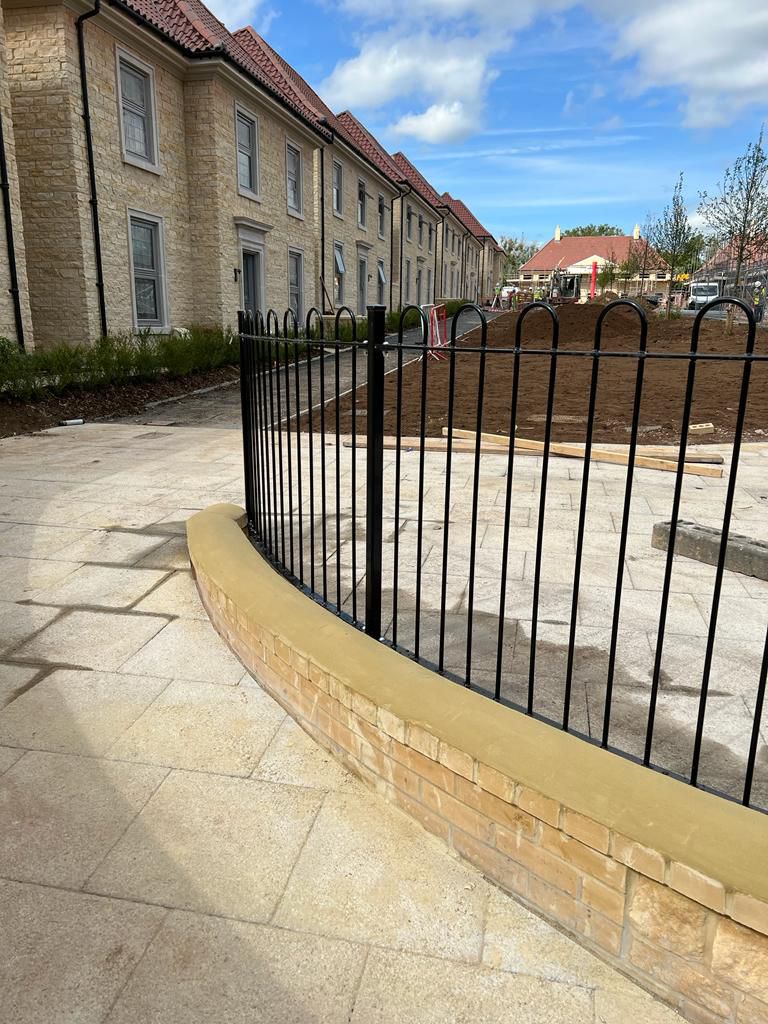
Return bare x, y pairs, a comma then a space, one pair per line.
672, 237
737, 211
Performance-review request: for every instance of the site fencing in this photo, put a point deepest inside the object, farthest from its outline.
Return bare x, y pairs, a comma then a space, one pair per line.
387, 530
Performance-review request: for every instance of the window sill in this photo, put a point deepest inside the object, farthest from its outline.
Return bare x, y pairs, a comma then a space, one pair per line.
247, 194
152, 329
361, 227
382, 237
143, 165
339, 216
296, 214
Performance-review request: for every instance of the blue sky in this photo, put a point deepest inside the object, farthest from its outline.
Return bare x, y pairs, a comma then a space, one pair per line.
538, 112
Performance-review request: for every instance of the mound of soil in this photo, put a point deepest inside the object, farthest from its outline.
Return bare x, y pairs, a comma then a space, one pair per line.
106, 403
716, 388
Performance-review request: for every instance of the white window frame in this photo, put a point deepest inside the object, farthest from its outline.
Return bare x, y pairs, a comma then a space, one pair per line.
340, 211
381, 274
164, 320
431, 237
294, 211
409, 222
381, 214
362, 222
429, 284
338, 251
249, 193
407, 281
255, 249
125, 56
421, 231
295, 251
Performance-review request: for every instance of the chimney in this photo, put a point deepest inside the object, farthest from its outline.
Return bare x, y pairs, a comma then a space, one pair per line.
557, 233
636, 233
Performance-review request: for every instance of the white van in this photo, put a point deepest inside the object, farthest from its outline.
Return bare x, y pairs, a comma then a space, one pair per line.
702, 292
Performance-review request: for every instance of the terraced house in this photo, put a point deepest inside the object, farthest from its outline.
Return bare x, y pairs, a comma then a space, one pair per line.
164, 171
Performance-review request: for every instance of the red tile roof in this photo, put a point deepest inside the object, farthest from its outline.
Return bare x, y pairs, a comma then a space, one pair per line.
260, 50
416, 179
370, 146
468, 219
189, 25
575, 248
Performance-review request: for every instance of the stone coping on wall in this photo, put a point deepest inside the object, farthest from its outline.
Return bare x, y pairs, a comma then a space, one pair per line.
665, 881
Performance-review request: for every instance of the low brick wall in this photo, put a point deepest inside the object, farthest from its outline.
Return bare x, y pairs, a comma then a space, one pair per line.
667, 883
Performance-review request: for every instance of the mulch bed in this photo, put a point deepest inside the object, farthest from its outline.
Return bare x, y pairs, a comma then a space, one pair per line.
716, 392
105, 403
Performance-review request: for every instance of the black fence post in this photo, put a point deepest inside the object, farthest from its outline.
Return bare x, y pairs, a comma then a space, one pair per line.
375, 470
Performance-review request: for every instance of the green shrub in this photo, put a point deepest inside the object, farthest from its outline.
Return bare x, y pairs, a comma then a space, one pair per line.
114, 359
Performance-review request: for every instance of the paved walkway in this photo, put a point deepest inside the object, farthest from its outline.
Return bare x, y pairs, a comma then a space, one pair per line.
172, 847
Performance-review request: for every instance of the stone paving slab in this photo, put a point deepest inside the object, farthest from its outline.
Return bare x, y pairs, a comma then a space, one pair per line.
152, 796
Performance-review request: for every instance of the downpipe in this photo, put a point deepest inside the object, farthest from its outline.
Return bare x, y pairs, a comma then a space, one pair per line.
5, 188
93, 198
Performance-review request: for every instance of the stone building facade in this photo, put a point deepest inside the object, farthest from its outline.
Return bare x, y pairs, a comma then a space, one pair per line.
216, 179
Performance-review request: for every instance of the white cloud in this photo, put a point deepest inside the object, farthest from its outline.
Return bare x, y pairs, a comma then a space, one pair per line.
442, 122
713, 51
235, 13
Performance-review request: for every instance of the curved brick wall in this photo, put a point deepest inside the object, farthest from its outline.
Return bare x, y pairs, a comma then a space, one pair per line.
667, 883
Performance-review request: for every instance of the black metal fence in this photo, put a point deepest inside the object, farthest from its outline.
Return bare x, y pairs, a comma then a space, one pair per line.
416, 545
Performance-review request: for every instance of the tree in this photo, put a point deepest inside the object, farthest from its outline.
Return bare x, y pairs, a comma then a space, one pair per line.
607, 273
632, 266
737, 211
517, 252
594, 229
672, 236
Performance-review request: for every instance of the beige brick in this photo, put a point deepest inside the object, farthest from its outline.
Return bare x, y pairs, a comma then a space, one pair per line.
553, 903
423, 741
456, 812
301, 663
697, 887
749, 911
751, 1011
457, 760
431, 822
587, 860
494, 864
606, 901
495, 782
668, 919
364, 707
344, 737
340, 692
740, 956
587, 831
640, 858
497, 810
540, 862
283, 651
428, 769
539, 806
598, 929
391, 725
680, 976
319, 677
370, 732
697, 1014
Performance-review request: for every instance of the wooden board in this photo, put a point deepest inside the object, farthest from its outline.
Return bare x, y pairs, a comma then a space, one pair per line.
575, 451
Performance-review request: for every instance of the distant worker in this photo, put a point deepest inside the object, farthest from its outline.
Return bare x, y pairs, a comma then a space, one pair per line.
758, 301
538, 295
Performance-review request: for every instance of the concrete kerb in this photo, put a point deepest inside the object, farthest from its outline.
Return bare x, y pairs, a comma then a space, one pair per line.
612, 852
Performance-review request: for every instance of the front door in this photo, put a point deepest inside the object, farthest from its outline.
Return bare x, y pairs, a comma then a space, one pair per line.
252, 297
362, 285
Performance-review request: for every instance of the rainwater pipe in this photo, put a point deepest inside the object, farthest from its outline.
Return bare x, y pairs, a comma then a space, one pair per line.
93, 199
5, 188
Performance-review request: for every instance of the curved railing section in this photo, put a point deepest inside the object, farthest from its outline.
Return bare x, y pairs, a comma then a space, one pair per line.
390, 478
